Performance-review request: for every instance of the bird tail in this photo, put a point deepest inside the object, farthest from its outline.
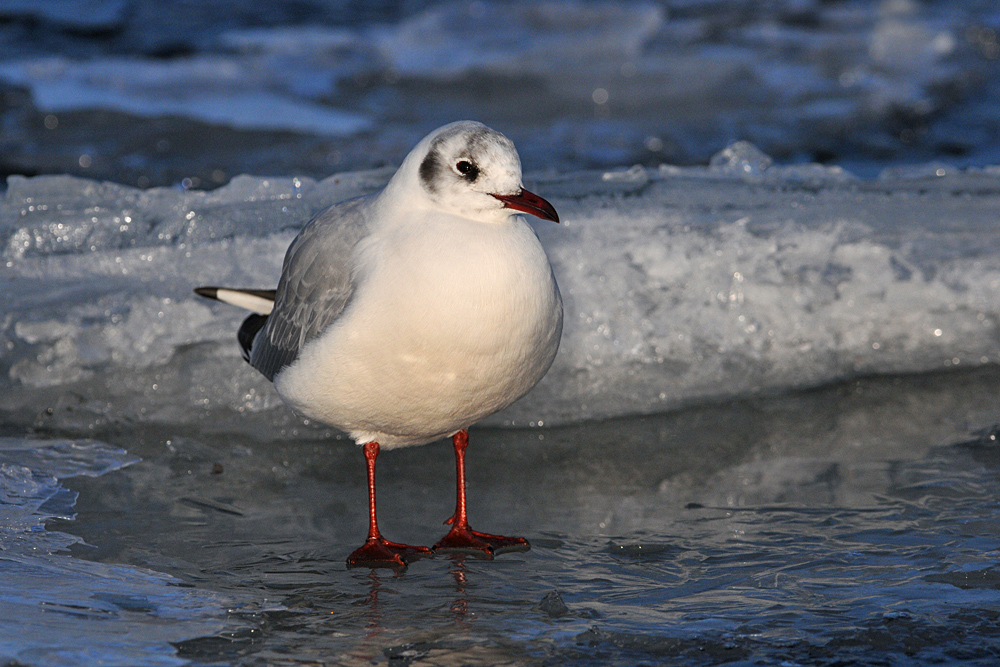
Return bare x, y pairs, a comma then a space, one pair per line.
258, 300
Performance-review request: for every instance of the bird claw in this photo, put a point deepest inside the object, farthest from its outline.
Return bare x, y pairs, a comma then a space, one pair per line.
464, 540
380, 552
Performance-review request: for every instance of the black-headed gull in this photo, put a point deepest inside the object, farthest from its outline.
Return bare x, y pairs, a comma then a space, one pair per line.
408, 315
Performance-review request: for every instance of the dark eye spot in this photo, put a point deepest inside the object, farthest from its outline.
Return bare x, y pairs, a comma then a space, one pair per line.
467, 169
428, 170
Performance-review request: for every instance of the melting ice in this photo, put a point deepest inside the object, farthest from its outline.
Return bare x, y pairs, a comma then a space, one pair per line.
60, 610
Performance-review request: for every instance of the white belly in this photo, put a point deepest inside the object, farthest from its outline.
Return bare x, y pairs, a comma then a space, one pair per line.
434, 339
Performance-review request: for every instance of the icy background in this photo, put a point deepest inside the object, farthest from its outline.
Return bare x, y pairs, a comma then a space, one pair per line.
779, 258
151, 92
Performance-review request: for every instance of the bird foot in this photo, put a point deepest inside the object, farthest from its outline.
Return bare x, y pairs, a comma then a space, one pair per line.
464, 540
380, 552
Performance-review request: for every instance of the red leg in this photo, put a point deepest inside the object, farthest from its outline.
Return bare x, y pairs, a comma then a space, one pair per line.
378, 551
463, 539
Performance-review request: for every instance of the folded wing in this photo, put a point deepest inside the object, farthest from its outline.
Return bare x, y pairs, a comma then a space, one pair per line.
316, 284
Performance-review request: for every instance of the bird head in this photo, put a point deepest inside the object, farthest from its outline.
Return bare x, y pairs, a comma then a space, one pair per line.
468, 169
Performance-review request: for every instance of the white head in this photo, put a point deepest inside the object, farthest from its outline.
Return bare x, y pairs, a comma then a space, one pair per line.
470, 170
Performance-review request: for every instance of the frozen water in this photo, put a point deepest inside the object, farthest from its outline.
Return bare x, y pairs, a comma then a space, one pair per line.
59, 610
742, 159
283, 90
681, 285
697, 285
544, 38
216, 90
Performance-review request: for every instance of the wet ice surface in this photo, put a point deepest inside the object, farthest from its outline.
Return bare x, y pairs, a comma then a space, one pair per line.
59, 610
855, 523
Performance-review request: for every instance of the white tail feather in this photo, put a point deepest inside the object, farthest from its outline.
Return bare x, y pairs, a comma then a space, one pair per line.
257, 304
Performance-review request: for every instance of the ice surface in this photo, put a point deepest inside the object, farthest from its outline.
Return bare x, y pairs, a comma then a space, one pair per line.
549, 38
30, 493
681, 285
576, 84
211, 89
59, 610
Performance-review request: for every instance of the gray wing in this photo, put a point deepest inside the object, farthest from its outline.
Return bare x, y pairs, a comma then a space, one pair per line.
315, 286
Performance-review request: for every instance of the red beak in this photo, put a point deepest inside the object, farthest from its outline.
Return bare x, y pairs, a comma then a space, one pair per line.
529, 202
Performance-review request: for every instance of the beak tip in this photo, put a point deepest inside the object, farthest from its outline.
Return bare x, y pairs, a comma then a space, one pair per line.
529, 202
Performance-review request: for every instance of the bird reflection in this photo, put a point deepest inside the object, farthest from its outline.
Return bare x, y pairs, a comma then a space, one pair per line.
376, 631
370, 648
373, 628
460, 605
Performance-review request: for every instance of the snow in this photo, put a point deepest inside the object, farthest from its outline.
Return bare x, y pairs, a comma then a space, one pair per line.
681, 284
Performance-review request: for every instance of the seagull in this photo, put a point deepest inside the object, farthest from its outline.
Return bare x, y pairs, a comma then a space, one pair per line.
406, 316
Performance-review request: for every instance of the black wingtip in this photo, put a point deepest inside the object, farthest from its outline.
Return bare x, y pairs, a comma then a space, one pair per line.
248, 332
207, 292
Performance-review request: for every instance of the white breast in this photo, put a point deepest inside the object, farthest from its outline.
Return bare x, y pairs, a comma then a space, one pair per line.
435, 338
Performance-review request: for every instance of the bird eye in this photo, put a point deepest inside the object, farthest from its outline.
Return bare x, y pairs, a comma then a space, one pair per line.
467, 169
